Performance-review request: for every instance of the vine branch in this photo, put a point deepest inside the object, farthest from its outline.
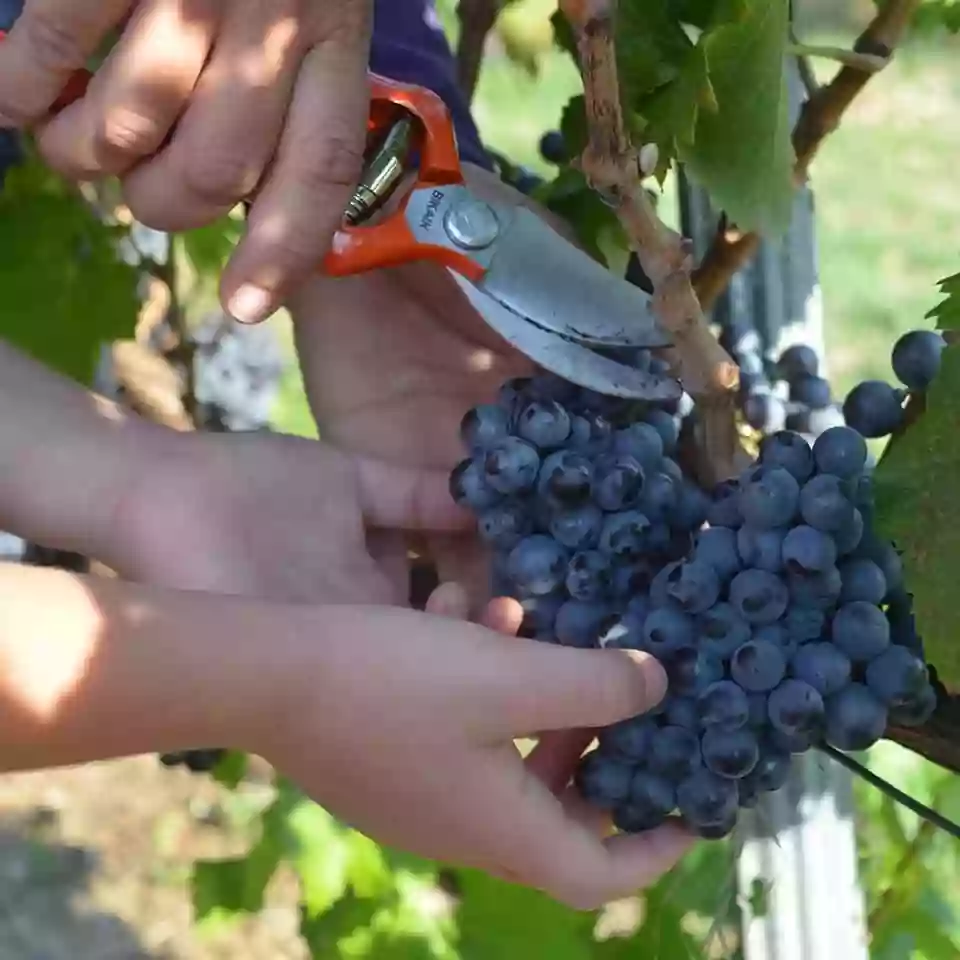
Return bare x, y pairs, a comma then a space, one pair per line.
612, 168
477, 18
820, 116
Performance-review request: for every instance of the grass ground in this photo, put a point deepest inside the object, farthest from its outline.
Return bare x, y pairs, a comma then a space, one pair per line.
93, 862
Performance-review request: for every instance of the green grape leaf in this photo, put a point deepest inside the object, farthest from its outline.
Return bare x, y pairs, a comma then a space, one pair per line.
706, 13
320, 855
231, 770
493, 913
651, 46
324, 932
208, 248
596, 226
65, 289
225, 889
947, 312
935, 14
911, 932
200, 256
916, 504
742, 152
668, 117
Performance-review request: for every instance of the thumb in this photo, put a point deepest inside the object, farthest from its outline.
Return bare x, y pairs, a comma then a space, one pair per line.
558, 688
397, 497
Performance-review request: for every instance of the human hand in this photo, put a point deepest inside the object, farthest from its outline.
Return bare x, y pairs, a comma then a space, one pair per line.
393, 359
200, 105
404, 725
269, 516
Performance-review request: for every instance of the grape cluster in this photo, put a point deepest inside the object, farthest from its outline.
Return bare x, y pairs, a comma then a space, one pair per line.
780, 617
874, 408
579, 498
797, 399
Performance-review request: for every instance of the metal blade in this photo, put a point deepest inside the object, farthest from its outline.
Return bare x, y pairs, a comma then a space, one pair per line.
566, 358
533, 271
538, 274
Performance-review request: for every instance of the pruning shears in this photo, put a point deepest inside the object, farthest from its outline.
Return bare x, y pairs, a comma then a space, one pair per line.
538, 291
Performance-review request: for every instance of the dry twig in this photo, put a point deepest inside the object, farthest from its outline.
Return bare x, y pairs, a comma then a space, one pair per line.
821, 114
611, 166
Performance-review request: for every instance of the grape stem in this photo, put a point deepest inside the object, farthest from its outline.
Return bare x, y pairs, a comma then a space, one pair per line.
477, 19
611, 166
821, 114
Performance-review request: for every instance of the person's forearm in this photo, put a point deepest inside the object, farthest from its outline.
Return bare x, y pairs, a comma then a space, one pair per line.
66, 456
95, 669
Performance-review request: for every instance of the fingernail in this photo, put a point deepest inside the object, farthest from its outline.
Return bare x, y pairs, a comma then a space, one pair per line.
654, 676
250, 304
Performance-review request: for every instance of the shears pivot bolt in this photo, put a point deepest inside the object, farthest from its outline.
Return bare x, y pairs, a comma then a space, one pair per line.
472, 224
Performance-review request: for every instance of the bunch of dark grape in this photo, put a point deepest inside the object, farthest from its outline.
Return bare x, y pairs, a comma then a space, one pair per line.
579, 498
780, 617
797, 399
875, 408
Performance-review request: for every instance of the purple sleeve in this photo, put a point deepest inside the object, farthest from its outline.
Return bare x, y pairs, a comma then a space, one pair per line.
409, 45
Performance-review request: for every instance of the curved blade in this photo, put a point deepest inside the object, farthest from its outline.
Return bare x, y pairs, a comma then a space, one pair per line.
566, 358
536, 273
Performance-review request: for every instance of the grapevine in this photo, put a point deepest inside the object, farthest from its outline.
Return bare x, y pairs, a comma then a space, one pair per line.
782, 619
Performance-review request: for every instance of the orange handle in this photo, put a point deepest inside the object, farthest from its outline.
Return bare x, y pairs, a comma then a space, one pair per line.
358, 249
390, 242
75, 87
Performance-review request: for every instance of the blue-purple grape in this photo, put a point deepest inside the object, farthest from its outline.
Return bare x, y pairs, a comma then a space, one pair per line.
790, 451
916, 358
874, 408
511, 466
795, 708
759, 596
723, 704
896, 676
731, 754
758, 666
770, 499
840, 451
544, 423
537, 565
823, 666
588, 575
808, 550
855, 718
484, 426
860, 630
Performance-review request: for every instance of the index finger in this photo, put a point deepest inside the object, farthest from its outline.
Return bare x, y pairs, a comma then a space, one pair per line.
545, 687
50, 41
319, 160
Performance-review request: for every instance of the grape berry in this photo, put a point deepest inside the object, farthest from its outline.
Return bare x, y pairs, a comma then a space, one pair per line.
782, 623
